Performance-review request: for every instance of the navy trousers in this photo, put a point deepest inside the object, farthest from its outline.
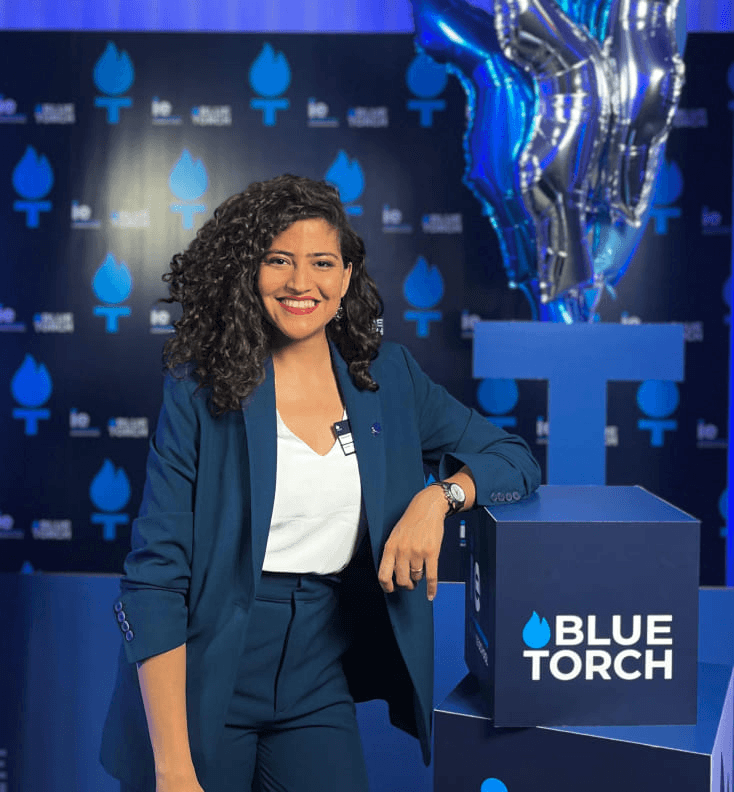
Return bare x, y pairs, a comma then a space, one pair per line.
291, 726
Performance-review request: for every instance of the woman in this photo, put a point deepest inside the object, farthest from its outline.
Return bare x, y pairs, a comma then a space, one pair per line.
286, 551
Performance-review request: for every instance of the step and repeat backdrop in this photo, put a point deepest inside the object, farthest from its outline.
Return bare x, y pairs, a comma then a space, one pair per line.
115, 148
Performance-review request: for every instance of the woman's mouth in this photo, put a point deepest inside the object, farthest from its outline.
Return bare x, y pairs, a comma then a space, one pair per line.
296, 306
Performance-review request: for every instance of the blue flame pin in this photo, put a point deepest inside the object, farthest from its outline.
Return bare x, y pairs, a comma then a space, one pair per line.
113, 74
270, 76
31, 387
32, 179
426, 79
188, 182
347, 176
536, 632
423, 288
110, 492
112, 283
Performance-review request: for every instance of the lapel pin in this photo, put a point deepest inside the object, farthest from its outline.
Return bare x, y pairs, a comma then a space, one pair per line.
375, 429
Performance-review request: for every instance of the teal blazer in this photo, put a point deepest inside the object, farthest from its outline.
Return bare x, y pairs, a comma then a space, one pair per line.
199, 541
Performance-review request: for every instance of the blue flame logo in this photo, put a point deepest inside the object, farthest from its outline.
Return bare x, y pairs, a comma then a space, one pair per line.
536, 632
112, 282
669, 184
658, 398
423, 287
497, 396
270, 73
113, 73
347, 176
425, 77
493, 785
31, 384
33, 177
110, 488
188, 180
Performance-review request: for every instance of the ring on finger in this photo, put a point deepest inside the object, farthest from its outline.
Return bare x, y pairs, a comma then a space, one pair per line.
416, 572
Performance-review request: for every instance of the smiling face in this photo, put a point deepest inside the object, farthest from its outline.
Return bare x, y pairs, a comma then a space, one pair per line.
302, 278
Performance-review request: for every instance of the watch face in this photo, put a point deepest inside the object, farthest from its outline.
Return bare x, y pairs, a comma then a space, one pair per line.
457, 493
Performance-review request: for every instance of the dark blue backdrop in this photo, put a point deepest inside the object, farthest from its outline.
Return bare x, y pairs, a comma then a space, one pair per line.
106, 159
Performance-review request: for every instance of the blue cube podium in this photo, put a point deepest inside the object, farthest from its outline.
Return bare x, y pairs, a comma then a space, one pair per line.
472, 755
582, 608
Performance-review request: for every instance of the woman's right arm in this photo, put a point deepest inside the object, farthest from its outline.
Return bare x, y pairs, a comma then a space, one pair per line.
163, 686
155, 587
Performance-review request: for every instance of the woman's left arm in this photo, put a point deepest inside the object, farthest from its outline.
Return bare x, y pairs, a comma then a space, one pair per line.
415, 542
488, 463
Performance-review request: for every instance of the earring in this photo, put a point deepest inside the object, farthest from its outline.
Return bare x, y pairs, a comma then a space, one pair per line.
339, 315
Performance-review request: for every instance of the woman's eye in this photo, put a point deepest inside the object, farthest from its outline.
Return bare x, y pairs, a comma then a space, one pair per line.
323, 263
276, 260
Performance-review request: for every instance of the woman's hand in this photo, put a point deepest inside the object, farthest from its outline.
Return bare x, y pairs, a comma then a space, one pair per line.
414, 544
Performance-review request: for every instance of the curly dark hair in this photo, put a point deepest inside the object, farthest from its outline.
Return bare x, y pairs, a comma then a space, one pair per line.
223, 333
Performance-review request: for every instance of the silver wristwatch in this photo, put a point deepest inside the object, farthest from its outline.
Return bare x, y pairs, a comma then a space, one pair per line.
454, 494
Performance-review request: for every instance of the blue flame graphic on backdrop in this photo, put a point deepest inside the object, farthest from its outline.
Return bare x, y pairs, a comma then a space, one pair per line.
113, 74
188, 181
112, 283
498, 397
110, 488
347, 176
31, 384
426, 79
493, 785
31, 387
270, 76
423, 288
536, 633
110, 492
667, 191
658, 399
32, 179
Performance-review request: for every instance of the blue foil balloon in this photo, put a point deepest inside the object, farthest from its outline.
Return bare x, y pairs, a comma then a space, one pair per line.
500, 108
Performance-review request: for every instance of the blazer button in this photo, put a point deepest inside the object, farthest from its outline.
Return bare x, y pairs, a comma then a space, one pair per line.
125, 626
121, 616
501, 497
508, 497
129, 635
118, 606
516, 495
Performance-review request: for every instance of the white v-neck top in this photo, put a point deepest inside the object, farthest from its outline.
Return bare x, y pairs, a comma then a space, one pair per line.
316, 512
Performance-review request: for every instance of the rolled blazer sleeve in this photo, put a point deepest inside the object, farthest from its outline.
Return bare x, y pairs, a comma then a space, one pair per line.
453, 435
154, 588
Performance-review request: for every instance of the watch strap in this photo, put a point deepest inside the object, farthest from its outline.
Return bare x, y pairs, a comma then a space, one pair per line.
454, 504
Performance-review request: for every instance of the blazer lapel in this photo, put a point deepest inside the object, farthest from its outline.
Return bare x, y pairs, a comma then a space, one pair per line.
365, 418
262, 443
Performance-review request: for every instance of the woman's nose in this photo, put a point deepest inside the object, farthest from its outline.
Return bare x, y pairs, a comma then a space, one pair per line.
300, 279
